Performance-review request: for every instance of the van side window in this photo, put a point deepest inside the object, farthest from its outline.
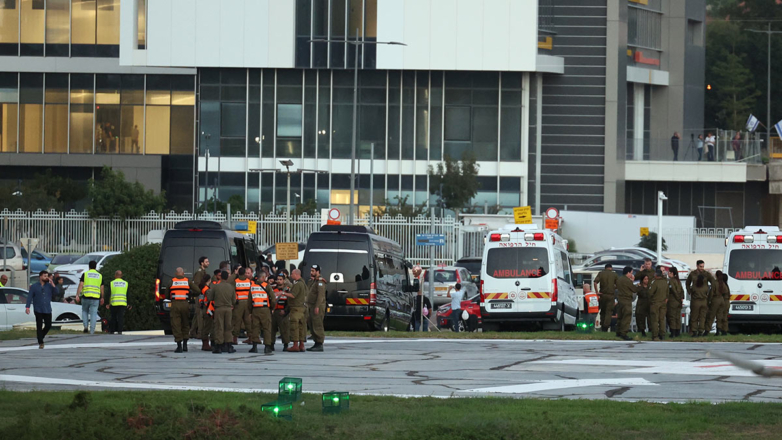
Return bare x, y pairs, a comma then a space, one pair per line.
235, 253
565, 267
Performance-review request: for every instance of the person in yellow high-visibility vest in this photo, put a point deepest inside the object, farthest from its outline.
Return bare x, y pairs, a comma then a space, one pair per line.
91, 287
119, 303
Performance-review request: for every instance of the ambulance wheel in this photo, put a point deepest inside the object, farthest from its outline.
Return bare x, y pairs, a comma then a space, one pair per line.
562, 320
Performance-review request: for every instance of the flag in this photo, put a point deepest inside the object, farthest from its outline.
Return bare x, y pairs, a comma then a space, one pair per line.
752, 123
778, 126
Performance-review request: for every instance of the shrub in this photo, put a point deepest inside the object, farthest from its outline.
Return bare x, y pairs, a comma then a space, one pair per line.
138, 266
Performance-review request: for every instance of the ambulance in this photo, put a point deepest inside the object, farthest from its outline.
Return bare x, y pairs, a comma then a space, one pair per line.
753, 261
526, 279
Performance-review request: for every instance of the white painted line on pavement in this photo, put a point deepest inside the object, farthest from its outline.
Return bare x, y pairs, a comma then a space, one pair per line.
653, 366
90, 345
548, 385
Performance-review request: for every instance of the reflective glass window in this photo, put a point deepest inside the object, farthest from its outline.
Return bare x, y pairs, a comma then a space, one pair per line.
33, 13
81, 113
55, 136
57, 27
30, 112
83, 27
107, 114
288, 120
158, 129
9, 27
9, 111
142, 24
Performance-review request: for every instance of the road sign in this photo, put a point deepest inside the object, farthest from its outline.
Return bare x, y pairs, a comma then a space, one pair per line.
644, 232
252, 227
552, 223
240, 226
330, 217
522, 215
430, 240
552, 213
287, 251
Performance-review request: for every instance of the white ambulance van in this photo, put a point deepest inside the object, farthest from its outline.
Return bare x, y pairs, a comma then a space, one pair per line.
526, 279
753, 262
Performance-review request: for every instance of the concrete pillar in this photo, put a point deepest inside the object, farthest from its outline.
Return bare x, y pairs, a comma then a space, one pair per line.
638, 121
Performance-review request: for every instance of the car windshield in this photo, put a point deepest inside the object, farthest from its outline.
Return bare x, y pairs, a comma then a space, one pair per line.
443, 276
756, 264
87, 258
63, 259
517, 262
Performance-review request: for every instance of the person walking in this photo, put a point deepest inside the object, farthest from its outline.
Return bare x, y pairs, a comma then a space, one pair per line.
316, 307
262, 302
91, 287
735, 144
642, 306
658, 297
675, 145
298, 315
223, 295
180, 290
456, 305
242, 284
605, 287
699, 295
280, 320
625, 290
711, 141
675, 301
40, 296
198, 321
421, 311
699, 147
118, 303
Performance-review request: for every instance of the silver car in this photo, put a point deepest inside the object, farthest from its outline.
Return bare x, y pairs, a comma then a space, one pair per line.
445, 277
12, 305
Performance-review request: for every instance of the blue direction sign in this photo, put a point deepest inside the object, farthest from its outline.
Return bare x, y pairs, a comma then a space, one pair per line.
430, 240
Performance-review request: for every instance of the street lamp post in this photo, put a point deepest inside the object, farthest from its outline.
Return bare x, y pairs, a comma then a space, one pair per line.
356, 44
769, 123
660, 199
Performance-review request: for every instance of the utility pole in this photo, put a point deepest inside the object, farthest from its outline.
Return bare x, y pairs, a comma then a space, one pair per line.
769, 122
660, 199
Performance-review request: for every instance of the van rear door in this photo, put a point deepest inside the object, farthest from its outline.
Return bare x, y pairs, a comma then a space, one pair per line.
346, 265
518, 279
184, 248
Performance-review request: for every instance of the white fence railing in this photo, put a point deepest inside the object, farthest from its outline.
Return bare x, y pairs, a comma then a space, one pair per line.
76, 232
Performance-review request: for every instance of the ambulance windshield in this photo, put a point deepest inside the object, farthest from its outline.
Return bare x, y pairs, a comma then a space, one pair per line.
756, 264
517, 263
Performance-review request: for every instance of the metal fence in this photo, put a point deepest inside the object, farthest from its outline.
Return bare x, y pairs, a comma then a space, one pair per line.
76, 232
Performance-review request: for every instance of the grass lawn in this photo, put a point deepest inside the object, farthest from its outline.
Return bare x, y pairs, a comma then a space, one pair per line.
194, 414
11, 335
594, 336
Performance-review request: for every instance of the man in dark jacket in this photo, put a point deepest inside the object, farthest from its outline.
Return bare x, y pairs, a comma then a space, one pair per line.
41, 298
419, 315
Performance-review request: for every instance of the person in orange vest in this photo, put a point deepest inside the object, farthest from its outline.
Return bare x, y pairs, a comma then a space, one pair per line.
180, 290
262, 300
242, 283
280, 320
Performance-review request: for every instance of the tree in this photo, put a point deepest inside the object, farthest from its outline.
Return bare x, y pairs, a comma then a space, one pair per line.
309, 207
236, 201
401, 207
650, 242
113, 196
459, 181
138, 266
44, 191
63, 189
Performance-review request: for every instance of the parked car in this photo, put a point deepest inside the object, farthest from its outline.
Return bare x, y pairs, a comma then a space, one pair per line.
82, 264
445, 277
680, 266
39, 262
69, 282
13, 256
470, 320
62, 259
473, 265
12, 305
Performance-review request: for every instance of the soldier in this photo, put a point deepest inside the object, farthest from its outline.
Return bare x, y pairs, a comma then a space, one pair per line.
180, 291
605, 287
699, 270
716, 303
280, 318
316, 307
675, 301
658, 296
624, 294
197, 324
207, 321
298, 311
261, 297
242, 284
723, 317
642, 321
223, 296
699, 294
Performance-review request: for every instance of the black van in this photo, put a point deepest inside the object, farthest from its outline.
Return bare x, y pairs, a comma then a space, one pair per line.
368, 279
189, 241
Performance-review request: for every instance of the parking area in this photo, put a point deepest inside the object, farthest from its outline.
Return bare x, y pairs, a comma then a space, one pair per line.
617, 370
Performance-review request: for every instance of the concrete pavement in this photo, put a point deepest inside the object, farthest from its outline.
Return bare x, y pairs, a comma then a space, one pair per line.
616, 370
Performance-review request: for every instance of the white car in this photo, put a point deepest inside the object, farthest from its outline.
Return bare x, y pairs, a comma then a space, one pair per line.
11, 254
12, 305
82, 264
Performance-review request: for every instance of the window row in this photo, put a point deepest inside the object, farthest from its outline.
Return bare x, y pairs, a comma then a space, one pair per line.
406, 115
85, 113
61, 28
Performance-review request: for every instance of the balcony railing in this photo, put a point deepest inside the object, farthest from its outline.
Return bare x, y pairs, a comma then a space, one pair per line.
747, 149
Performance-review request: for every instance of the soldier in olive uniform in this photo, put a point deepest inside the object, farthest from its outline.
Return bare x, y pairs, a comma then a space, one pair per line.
658, 297
675, 301
717, 305
262, 303
316, 307
298, 317
197, 325
723, 317
605, 287
223, 295
693, 276
642, 320
625, 291
181, 292
699, 297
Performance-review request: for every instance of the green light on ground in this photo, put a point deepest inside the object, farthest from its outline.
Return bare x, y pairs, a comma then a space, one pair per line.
336, 399
276, 409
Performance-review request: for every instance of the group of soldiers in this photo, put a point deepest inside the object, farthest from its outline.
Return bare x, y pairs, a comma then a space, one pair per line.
660, 298
265, 305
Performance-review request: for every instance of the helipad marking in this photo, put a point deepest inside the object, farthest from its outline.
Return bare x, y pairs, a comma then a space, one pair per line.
548, 385
652, 366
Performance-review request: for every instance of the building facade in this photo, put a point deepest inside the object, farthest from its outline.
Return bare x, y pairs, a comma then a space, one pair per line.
203, 98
